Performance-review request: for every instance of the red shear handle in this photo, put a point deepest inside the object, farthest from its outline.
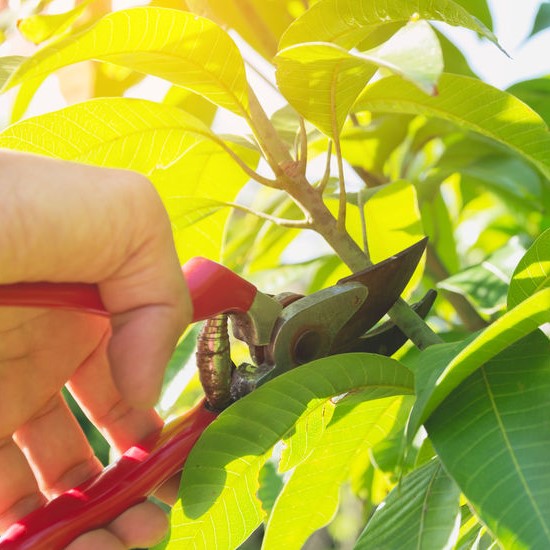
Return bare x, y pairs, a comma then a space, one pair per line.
95, 503
76, 296
214, 289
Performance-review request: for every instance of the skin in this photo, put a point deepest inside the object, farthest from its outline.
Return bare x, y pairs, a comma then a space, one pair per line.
65, 222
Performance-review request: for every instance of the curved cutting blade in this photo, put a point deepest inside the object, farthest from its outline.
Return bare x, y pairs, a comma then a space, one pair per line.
385, 281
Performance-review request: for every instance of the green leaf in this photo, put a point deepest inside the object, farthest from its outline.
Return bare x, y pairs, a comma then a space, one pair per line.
492, 435
196, 190
437, 223
542, 19
120, 132
441, 368
310, 498
189, 51
535, 92
422, 512
479, 9
532, 273
393, 223
271, 484
507, 176
37, 28
178, 152
305, 437
369, 147
192, 103
181, 355
219, 507
322, 80
486, 284
259, 22
347, 22
454, 59
8, 65
472, 105
24, 96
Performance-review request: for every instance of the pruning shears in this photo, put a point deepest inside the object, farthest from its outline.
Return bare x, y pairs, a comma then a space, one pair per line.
282, 332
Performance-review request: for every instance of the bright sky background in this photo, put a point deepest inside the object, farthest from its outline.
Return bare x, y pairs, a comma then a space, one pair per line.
513, 20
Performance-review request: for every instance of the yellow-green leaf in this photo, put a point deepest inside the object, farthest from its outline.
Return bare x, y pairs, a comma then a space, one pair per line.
259, 22
37, 28
470, 104
532, 273
183, 48
393, 223
347, 22
219, 507
322, 80
178, 152
8, 65
310, 498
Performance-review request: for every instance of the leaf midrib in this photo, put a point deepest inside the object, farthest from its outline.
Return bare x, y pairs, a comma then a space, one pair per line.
510, 449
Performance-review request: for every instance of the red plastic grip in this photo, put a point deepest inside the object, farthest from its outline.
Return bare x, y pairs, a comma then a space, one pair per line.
128, 481
215, 289
75, 296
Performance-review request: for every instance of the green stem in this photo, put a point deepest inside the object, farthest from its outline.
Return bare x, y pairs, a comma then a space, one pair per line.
323, 222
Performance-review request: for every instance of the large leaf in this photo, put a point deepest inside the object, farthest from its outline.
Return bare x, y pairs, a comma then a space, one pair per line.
185, 49
486, 284
493, 434
369, 147
542, 19
479, 9
8, 65
532, 273
219, 506
421, 513
127, 133
393, 223
322, 80
441, 368
472, 105
535, 92
37, 28
259, 22
346, 22
310, 497
177, 151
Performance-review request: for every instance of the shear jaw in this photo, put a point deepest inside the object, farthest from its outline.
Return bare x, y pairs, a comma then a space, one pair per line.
255, 327
306, 329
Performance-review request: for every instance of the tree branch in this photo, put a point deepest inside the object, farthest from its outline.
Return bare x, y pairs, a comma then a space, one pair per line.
283, 222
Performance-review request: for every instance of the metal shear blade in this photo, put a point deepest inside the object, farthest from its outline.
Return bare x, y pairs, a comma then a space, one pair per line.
328, 321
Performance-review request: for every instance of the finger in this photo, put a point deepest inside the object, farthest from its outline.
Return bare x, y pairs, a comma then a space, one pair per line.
19, 492
142, 344
100, 538
34, 365
93, 388
140, 526
56, 448
149, 300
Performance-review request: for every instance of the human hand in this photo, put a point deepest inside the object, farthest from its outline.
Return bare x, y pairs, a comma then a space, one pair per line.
64, 222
